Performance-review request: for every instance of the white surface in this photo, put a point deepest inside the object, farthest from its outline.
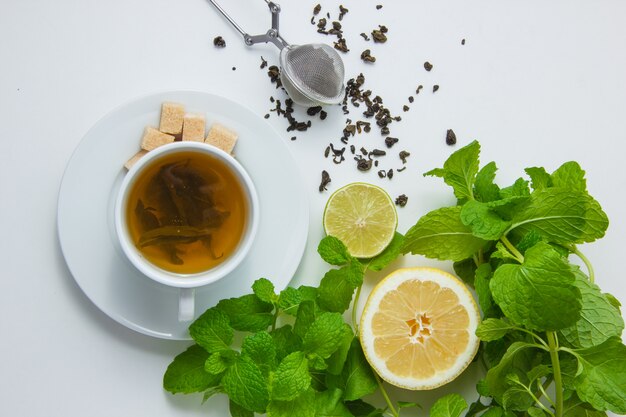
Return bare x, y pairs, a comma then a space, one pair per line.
89, 193
538, 83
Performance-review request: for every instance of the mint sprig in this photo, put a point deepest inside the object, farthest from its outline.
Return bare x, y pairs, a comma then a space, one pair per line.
545, 321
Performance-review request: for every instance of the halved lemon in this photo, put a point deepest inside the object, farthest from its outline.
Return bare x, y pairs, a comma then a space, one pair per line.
418, 328
363, 217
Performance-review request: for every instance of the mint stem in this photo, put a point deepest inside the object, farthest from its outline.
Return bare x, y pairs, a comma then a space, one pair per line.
394, 412
556, 367
355, 324
586, 261
513, 249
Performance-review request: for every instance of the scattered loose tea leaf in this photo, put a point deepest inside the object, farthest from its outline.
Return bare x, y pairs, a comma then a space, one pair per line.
379, 34
323, 115
317, 9
378, 152
366, 56
327, 152
340, 45
400, 169
363, 164
405, 108
419, 87
263, 63
267, 116
382, 173
435, 88
293, 138
450, 137
411, 99
463, 41
428, 66
325, 181
379, 6
219, 42
312, 111
389, 141
403, 156
364, 36
390, 174
342, 12
401, 200
234, 68
352, 149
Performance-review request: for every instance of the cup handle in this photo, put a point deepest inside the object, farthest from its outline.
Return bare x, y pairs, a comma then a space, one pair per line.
186, 304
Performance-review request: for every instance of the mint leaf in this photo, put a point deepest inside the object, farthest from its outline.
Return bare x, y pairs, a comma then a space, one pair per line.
264, 289
360, 408
599, 319
518, 357
354, 273
335, 291
247, 313
539, 178
516, 398
602, 382
574, 407
538, 371
389, 255
538, 294
291, 378
483, 222
459, 171
535, 412
245, 384
289, 300
465, 269
238, 411
357, 378
493, 329
302, 406
286, 341
502, 252
333, 251
518, 189
328, 404
451, 405
337, 360
571, 176
186, 372
307, 293
316, 362
324, 335
261, 348
484, 188
212, 331
440, 234
219, 361
481, 285
561, 216
305, 317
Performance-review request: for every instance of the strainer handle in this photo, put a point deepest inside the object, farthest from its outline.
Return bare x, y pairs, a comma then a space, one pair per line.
272, 35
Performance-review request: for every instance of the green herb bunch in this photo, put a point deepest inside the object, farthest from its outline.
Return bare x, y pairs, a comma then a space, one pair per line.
545, 320
296, 356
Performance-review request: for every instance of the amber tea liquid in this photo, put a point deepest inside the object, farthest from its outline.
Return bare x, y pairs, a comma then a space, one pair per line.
187, 212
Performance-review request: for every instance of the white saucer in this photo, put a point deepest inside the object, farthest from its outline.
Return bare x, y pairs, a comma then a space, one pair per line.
89, 189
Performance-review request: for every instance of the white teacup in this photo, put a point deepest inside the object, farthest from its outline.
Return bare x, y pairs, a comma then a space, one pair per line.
186, 282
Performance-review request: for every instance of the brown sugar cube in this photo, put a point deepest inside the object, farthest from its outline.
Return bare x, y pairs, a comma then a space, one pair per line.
193, 127
135, 158
221, 137
172, 118
152, 139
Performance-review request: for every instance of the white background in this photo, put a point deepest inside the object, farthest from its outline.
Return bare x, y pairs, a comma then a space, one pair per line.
538, 83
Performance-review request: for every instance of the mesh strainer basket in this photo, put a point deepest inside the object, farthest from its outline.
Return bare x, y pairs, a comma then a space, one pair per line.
312, 74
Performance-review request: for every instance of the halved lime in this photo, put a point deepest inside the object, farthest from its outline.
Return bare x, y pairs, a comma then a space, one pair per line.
363, 217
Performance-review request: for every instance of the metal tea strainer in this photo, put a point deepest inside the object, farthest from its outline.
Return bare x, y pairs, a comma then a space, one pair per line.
312, 73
